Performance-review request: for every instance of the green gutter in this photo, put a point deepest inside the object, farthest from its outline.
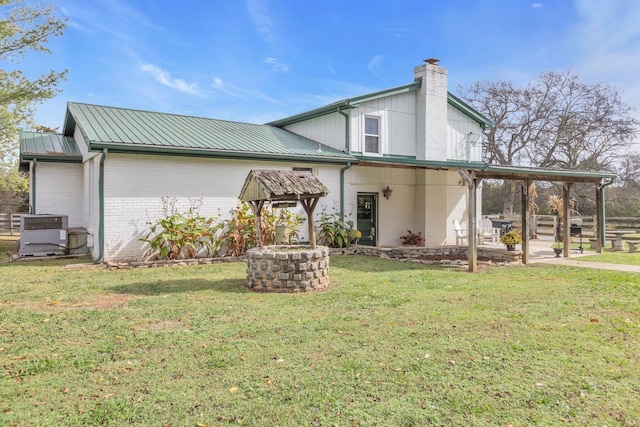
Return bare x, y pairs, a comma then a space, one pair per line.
342, 171
101, 203
240, 155
347, 147
33, 184
57, 158
431, 164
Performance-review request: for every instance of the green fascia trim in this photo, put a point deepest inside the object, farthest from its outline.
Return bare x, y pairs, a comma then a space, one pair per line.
397, 156
430, 164
549, 172
344, 104
239, 155
389, 92
469, 111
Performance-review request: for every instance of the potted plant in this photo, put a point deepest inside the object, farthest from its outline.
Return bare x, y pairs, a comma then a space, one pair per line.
511, 239
557, 248
412, 239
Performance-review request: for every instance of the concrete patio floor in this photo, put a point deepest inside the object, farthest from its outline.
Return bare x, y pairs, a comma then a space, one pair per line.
540, 251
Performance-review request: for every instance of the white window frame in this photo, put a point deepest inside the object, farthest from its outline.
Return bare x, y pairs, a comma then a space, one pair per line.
304, 169
379, 136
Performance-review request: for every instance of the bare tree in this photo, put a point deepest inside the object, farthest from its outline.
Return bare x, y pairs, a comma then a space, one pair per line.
555, 122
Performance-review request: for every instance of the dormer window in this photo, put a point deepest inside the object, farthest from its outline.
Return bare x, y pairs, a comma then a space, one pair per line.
372, 135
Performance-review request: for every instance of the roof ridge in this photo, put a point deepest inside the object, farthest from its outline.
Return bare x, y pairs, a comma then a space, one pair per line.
138, 110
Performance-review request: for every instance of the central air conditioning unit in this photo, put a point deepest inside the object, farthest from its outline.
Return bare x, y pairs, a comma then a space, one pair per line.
43, 235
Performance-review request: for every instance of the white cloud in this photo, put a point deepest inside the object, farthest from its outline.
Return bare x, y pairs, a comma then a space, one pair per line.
536, 5
221, 86
165, 78
275, 65
374, 64
259, 13
230, 89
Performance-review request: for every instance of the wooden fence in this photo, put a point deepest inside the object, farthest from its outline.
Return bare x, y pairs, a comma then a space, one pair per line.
544, 225
9, 224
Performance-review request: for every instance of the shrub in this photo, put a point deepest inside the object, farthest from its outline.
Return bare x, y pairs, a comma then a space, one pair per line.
237, 234
179, 235
334, 231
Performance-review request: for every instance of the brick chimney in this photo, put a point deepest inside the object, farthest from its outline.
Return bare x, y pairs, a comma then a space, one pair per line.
431, 111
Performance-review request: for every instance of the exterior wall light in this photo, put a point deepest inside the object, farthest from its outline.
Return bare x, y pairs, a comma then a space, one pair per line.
387, 192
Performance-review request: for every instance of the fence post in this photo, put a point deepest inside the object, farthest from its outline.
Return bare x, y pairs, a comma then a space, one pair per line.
12, 219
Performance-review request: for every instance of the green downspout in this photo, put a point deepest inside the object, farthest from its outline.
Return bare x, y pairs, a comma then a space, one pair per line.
342, 171
101, 208
33, 185
603, 239
347, 145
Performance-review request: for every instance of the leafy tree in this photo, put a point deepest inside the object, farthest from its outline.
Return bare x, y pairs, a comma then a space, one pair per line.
555, 122
23, 28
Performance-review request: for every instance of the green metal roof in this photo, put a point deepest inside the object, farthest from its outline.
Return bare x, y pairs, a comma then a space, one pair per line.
48, 147
126, 130
485, 171
542, 174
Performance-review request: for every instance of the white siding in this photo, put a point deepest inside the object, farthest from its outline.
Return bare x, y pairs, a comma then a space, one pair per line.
461, 130
328, 130
397, 115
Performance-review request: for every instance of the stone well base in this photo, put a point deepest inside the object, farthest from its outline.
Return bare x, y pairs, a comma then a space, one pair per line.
287, 268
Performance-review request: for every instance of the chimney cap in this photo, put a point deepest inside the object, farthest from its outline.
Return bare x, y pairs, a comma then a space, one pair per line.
432, 61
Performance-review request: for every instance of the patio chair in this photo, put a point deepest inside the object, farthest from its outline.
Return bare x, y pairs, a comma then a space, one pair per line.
487, 232
461, 232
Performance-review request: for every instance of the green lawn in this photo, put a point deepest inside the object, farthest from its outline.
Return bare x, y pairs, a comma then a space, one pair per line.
389, 343
612, 257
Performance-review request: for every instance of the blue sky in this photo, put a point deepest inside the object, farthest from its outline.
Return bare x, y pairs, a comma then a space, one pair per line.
260, 60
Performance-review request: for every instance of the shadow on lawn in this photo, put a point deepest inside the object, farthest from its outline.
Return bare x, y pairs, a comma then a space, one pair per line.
372, 264
181, 285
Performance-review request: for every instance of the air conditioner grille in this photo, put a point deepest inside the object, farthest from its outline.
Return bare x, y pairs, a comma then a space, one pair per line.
44, 222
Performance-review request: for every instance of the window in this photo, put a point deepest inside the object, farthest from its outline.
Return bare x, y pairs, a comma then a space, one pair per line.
303, 170
372, 135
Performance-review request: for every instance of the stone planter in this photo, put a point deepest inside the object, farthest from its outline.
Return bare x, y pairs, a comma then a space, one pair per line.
284, 268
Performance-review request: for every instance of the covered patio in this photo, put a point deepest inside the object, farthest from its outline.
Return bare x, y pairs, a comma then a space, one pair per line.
525, 176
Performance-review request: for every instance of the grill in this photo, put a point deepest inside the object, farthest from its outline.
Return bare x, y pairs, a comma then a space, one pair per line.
503, 225
575, 230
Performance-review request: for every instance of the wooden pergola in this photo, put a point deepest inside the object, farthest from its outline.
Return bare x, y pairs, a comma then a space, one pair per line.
525, 176
283, 189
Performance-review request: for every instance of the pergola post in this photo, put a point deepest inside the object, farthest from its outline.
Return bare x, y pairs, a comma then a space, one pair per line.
599, 220
525, 220
256, 207
469, 178
566, 198
309, 206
